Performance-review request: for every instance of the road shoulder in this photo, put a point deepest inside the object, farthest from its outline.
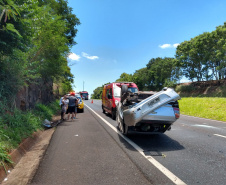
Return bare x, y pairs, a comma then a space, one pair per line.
25, 169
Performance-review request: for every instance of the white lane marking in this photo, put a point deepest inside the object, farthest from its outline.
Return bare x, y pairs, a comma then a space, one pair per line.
204, 118
159, 166
199, 125
219, 135
206, 126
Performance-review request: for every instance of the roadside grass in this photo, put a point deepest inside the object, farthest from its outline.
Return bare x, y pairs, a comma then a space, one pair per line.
16, 125
210, 108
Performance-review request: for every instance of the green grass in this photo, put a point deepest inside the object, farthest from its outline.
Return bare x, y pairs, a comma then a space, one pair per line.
16, 125
210, 108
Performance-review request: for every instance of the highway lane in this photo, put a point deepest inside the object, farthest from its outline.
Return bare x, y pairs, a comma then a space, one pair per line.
194, 150
83, 152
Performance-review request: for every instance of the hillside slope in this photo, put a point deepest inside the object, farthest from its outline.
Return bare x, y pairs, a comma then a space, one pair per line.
214, 88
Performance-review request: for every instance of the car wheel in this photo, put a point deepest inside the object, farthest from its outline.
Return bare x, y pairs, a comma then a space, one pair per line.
113, 114
103, 109
126, 129
120, 123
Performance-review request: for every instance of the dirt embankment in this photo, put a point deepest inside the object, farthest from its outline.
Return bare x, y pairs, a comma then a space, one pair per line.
213, 88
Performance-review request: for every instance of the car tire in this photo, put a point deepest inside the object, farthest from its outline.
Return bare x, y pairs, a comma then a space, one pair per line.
126, 129
122, 127
120, 123
103, 109
113, 114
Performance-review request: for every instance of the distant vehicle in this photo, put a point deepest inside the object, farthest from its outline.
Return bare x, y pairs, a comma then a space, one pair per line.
80, 103
84, 95
111, 96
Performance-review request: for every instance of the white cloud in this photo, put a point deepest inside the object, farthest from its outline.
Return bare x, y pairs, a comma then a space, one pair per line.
89, 57
175, 45
164, 46
73, 56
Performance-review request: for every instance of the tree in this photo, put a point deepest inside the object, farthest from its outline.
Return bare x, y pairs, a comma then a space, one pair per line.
141, 78
66, 81
97, 93
46, 32
62, 9
185, 61
220, 62
8, 10
203, 57
160, 71
124, 77
11, 28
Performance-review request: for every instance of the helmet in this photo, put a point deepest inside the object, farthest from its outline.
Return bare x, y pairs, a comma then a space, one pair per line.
72, 93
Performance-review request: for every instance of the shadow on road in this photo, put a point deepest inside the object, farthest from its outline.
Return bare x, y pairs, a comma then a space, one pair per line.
107, 115
153, 144
65, 123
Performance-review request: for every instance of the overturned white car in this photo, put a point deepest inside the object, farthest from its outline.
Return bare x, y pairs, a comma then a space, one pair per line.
147, 111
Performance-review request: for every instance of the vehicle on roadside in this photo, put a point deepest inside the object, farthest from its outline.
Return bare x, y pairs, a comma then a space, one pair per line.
84, 95
80, 103
111, 96
147, 111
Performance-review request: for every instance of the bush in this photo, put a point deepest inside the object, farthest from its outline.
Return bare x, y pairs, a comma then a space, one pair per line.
185, 88
169, 83
16, 125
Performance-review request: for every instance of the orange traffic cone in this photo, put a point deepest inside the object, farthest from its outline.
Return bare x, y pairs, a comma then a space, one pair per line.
92, 101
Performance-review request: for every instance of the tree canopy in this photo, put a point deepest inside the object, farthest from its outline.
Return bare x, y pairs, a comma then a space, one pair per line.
97, 93
157, 74
203, 57
35, 40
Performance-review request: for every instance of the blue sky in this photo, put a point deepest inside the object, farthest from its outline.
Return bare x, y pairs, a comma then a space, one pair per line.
117, 36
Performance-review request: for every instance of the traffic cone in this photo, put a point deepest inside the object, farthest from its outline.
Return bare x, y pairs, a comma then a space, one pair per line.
92, 101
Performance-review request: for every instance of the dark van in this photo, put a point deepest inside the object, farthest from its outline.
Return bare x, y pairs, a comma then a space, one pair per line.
111, 96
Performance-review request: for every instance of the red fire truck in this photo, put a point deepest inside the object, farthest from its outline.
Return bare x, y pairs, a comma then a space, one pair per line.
84, 95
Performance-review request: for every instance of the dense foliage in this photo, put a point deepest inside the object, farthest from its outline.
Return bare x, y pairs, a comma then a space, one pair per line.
35, 40
159, 72
204, 57
97, 93
17, 125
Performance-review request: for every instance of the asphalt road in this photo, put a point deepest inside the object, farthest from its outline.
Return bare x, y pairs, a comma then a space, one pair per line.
89, 150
